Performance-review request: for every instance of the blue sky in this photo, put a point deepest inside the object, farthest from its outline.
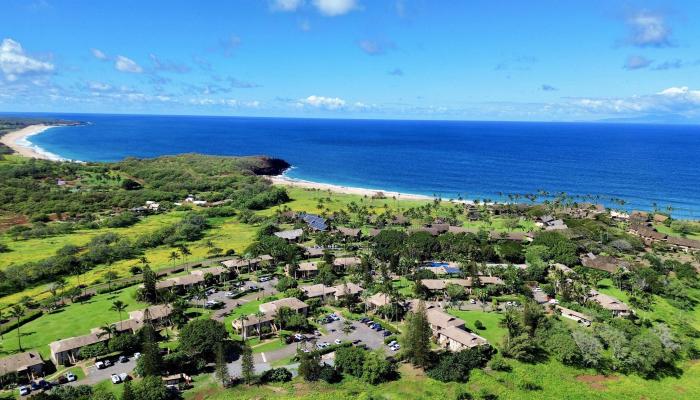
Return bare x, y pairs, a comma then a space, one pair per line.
419, 59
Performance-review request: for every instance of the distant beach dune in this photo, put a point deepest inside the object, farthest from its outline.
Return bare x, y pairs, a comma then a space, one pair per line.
18, 142
287, 181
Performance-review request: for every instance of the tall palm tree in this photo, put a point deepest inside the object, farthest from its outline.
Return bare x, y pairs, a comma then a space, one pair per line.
173, 257
259, 314
243, 318
108, 330
185, 251
118, 306
61, 286
17, 312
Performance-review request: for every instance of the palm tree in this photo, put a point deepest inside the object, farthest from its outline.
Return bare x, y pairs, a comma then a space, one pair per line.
243, 318
107, 329
61, 286
259, 314
173, 257
2, 318
118, 306
18, 312
185, 251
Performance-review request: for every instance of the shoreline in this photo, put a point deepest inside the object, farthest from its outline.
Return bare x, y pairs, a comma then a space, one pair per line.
19, 142
283, 180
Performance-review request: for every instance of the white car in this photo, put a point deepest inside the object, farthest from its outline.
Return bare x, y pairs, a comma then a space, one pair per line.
100, 365
472, 301
24, 390
230, 294
108, 363
395, 347
338, 341
116, 379
124, 376
137, 356
71, 377
393, 342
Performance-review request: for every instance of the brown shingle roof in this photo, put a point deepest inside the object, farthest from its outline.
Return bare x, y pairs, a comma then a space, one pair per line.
75, 342
441, 319
19, 362
463, 337
290, 302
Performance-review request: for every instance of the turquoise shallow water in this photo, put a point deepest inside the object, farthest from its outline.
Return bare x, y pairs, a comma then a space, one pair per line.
642, 164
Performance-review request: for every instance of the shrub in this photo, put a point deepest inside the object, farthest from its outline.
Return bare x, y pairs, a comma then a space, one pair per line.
276, 375
94, 350
329, 374
479, 325
498, 363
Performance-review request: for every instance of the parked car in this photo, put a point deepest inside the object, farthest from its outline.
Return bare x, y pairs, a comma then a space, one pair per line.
364, 320
100, 365
124, 376
356, 341
210, 292
61, 380
298, 337
393, 342
123, 359
317, 333
24, 390
337, 341
386, 333
71, 377
107, 363
472, 301
395, 347
253, 288
230, 295
116, 379
264, 278
137, 356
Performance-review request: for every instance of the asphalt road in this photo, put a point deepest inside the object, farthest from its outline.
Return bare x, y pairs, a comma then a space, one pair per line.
95, 375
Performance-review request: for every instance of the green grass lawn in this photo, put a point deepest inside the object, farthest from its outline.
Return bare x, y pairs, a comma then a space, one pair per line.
270, 345
493, 333
246, 309
668, 231
404, 286
225, 233
23, 251
555, 380
73, 320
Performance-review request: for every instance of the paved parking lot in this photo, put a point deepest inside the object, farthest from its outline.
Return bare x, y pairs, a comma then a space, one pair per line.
266, 289
95, 375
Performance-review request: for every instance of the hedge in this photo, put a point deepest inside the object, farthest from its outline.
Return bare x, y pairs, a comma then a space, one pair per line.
12, 324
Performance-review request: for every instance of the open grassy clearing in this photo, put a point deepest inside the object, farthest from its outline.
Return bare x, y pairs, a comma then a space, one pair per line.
493, 333
225, 233
668, 231
554, 379
22, 251
73, 320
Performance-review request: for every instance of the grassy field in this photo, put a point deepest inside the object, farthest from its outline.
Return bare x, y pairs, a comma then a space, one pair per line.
493, 333
668, 231
554, 380
308, 200
74, 320
225, 233
23, 251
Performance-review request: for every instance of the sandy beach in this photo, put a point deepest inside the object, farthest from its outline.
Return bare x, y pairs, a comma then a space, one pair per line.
18, 142
286, 181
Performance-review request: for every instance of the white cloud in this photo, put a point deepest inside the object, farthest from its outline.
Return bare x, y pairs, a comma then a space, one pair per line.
99, 54
375, 48
334, 8
125, 64
648, 29
99, 86
14, 62
636, 62
286, 5
233, 103
673, 101
328, 103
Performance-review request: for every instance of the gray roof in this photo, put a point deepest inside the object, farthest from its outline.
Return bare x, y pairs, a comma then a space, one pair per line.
19, 362
290, 235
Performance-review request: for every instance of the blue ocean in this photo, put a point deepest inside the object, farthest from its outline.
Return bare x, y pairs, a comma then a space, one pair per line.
645, 165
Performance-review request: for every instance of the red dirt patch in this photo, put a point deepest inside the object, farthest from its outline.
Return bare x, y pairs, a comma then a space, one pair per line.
596, 382
8, 221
